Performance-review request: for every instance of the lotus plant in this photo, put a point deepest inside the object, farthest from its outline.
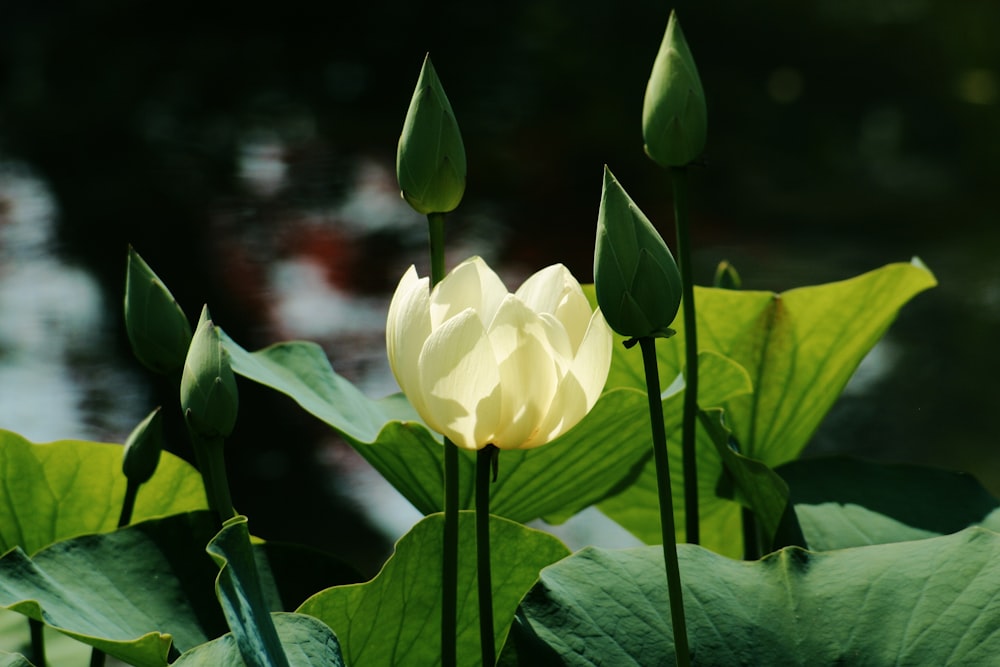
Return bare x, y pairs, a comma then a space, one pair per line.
430, 168
492, 370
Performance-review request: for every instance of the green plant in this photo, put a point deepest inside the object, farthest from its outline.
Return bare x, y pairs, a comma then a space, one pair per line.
794, 565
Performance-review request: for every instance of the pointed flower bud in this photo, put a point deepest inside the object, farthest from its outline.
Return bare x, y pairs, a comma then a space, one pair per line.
142, 449
726, 276
636, 278
209, 398
674, 119
157, 327
484, 367
430, 160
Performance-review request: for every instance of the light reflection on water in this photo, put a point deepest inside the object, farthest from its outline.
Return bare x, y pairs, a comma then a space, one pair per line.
56, 365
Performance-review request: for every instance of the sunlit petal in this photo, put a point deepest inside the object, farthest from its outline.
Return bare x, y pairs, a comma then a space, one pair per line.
407, 327
471, 284
554, 290
461, 382
543, 291
528, 372
558, 340
568, 407
574, 312
593, 359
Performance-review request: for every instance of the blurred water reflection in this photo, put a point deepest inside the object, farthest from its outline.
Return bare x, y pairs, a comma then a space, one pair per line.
59, 377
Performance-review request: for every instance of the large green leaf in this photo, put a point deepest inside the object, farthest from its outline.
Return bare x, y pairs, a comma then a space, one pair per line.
800, 349
756, 486
843, 502
51, 492
555, 481
128, 593
132, 591
15, 637
637, 508
395, 618
308, 642
242, 597
13, 660
929, 602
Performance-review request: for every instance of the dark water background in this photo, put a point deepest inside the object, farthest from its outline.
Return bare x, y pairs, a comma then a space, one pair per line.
246, 150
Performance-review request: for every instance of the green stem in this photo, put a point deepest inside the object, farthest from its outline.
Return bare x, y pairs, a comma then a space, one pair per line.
484, 460
128, 504
220, 482
37, 642
211, 456
751, 536
449, 560
201, 461
678, 178
435, 222
124, 518
682, 654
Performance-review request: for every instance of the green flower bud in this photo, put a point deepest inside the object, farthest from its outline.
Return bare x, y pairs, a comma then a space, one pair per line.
726, 276
636, 278
430, 160
209, 398
674, 119
157, 328
143, 447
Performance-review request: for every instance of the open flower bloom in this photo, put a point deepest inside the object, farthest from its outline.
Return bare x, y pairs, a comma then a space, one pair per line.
483, 366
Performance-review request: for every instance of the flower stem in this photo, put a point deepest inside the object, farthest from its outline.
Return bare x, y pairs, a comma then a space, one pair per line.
201, 461
648, 345
124, 518
37, 643
449, 582
449, 560
484, 461
220, 482
678, 178
128, 504
435, 222
211, 458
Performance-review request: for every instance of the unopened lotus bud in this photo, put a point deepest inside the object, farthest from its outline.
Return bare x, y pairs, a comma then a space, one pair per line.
726, 276
430, 159
157, 328
674, 118
142, 449
636, 278
209, 398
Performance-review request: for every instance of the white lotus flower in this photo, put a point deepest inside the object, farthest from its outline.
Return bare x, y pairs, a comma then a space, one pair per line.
483, 366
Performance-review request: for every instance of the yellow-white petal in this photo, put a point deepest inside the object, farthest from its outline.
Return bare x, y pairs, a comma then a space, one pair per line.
575, 314
568, 407
528, 372
407, 326
554, 290
558, 340
544, 289
593, 359
580, 388
471, 284
460, 382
